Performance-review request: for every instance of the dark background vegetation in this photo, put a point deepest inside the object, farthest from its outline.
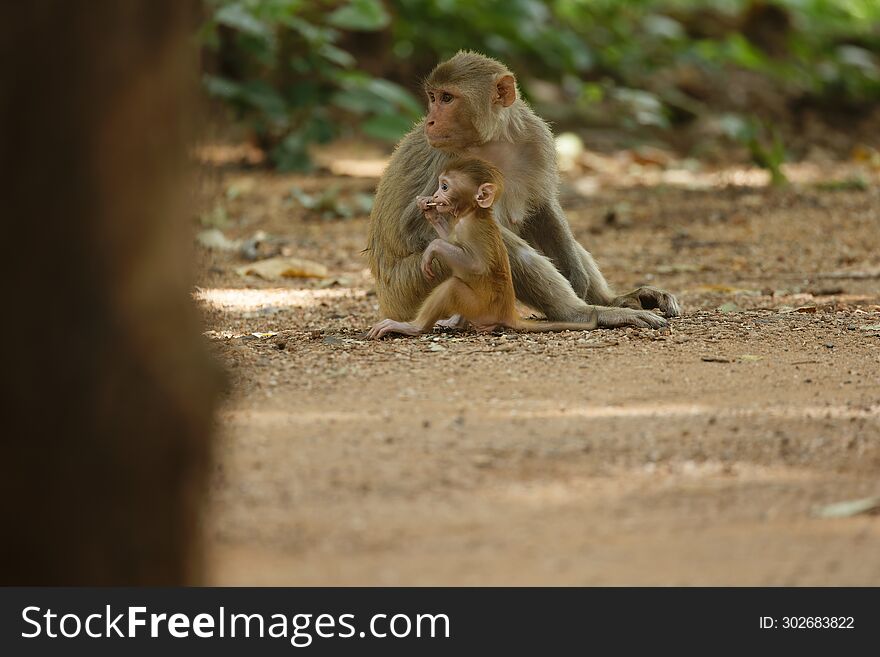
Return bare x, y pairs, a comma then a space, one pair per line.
698, 75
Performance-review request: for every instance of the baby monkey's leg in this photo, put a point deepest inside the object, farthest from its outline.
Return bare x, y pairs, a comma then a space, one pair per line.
450, 297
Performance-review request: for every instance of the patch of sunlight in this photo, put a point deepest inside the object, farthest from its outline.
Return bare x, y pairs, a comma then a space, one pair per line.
243, 299
690, 410
627, 480
303, 416
541, 494
275, 417
225, 154
357, 168
346, 157
619, 174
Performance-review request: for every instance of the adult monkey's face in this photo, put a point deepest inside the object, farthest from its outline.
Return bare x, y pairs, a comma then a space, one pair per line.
467, 96
449, 124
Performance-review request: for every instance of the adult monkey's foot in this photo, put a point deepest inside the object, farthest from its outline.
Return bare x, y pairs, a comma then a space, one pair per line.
605, 317
618, 317
649, 298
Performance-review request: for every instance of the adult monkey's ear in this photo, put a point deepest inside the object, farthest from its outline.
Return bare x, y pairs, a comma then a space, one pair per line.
505, 90
485, 195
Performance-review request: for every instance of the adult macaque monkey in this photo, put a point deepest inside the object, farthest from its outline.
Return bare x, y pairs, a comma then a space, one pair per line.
469, 245
474, 110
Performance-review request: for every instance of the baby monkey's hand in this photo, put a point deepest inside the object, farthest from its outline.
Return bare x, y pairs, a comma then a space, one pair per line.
427, 205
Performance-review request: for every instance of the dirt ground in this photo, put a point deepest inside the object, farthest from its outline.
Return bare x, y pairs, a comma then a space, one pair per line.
698, 454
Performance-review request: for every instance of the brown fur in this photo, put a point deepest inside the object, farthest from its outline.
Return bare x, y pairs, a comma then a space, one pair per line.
481, 288
551, 271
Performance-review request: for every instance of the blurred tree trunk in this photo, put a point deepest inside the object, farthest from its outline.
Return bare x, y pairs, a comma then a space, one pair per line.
105, 377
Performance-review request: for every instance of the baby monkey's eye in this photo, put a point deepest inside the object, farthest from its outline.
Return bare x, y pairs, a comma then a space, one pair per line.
444, 187
446, 97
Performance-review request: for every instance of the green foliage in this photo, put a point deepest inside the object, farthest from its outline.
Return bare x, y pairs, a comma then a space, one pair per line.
291, 69
764, 143
282, 72
360, 15
327, 204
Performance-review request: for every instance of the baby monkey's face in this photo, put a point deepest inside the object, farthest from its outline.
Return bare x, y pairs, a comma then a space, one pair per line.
452, 193
457, 195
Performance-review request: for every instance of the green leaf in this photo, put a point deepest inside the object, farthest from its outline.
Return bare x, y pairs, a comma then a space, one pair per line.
735, 127
663, 27
856, 183
314, 34
644, 106
237, 17
742, 52
306, 200
278, 10
360, 15
305, 93
319, 129
363, 95
858, 57
397, 95
364, 202
292, 154
337, 55
388, 127
221, 87
207, 35
360, 101
261, 95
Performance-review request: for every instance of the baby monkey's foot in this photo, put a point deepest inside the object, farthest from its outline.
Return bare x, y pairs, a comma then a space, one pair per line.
456, 322
387, 326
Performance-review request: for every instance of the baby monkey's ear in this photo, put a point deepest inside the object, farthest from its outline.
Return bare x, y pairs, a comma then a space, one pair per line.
485, 195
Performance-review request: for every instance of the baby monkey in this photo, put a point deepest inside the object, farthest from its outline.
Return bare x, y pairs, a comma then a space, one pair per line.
469, 244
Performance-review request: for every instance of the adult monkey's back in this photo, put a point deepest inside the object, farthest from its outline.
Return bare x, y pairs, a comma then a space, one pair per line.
474, 109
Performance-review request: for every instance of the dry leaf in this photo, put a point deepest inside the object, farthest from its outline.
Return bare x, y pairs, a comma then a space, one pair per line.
651, 155
213, 238
849, 508
283, 267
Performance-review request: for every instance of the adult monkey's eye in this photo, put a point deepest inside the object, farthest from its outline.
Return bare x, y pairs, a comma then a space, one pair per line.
431, 96
446, 97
